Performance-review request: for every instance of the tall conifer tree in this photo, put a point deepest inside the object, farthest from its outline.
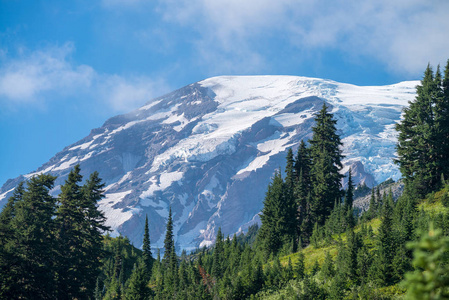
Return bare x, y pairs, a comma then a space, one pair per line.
93, 228
442, 124
33, 227
349, 197
326, 164
169, 243
70, 236
278, 216
9, 279
146, 247
418, 157
218, 257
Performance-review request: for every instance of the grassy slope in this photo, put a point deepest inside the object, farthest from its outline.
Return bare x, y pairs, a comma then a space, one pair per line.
432, 204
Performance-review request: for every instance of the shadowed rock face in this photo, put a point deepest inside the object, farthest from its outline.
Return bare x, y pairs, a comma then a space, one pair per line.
208, 151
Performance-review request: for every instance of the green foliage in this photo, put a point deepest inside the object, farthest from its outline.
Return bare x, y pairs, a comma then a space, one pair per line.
327, 269
430, 280
326, 164
386, 247
445, 199
146, 248
137, 285
169, 243
50, 248
218, 258
422, 143
278, 217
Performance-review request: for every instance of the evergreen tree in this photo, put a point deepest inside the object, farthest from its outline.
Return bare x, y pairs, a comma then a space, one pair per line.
379, 200
299, 268
349, 198
302, 165
306, 225
401, 263
8, 213
386, 247
147, 256
364, 261
9, 278
137, 285
291, 208
278, 217
353, 245
343, 262
430, 280
326, 164
442, 124
315, 268
372, 206
218, 258
418, 157
289, 174
33, 227
70, 237
337, 288
327, 269
80, 225
98, 292
169, 240
93, 228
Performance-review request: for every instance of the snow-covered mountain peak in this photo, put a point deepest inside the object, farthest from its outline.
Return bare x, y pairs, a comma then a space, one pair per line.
208, 150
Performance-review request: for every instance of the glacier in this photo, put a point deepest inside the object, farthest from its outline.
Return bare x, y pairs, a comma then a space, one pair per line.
208, 150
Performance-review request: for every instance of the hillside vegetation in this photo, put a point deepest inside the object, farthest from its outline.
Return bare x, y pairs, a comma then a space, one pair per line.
312, 244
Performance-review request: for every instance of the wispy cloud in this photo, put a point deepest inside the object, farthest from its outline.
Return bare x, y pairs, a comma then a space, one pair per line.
25, 78
51, 74
402, 34
124, 94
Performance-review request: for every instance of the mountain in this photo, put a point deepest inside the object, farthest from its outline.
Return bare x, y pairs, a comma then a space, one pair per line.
208, 150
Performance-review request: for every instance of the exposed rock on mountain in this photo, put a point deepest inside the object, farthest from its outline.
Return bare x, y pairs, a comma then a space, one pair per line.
208, 150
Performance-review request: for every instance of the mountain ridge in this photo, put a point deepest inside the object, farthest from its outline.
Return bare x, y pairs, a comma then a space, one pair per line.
198, 149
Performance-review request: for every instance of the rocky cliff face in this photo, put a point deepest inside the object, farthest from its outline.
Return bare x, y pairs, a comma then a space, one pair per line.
208, 150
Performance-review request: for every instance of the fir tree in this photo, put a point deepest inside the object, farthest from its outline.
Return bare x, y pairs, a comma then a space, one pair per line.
33, 227
137, 285
289, 173
349, 198
278, 217
364, 261
326, 164
147, 256
442, 124
327, 269
299, 268
70, 236
302, 165
430, 280
9, 278
93, 228
372, 206
353, 245
168, 241
218, 258
418, 157
386, 248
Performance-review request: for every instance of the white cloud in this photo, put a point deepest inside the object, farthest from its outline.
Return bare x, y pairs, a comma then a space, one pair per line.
50, 74
24, 78
404, 34
125, 94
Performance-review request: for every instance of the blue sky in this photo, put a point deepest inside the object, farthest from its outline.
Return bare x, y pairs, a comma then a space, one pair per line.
67, 66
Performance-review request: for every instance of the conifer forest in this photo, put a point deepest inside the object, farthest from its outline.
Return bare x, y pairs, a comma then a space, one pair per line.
312, 242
